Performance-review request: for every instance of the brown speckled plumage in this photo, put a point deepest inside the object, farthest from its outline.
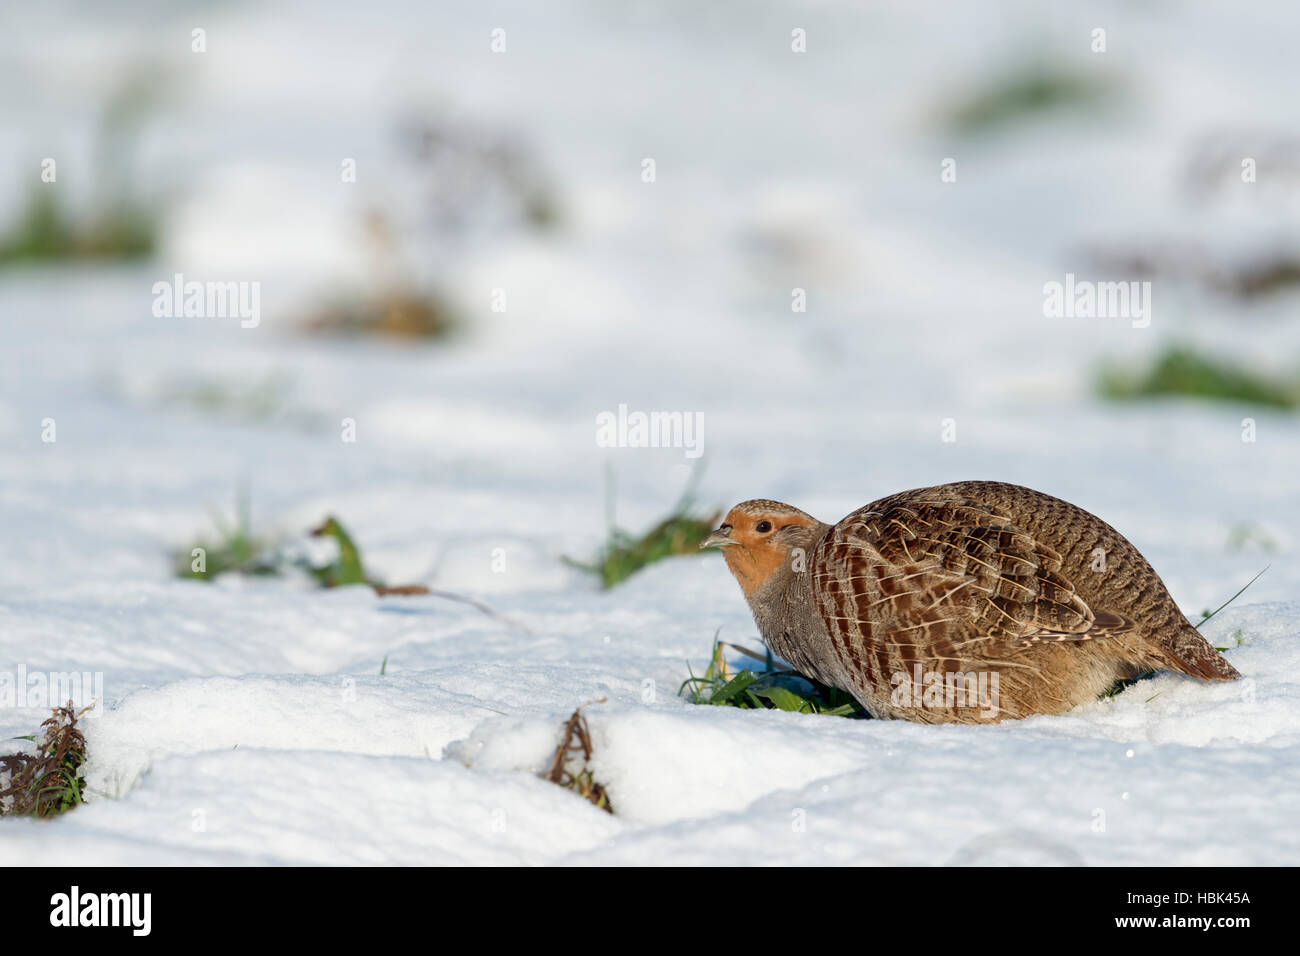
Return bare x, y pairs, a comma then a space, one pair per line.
934, 587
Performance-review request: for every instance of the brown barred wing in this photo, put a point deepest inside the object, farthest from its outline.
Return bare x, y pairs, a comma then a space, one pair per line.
937, 582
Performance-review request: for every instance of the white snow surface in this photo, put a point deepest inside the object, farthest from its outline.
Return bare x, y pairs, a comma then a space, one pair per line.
248, 721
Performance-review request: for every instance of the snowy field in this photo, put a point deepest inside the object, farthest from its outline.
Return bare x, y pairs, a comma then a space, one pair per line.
247, 721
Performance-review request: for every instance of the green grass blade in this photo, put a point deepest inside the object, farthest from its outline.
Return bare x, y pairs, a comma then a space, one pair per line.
1231, 599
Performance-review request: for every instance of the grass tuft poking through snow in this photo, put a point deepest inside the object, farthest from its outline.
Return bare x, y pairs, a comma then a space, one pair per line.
235, 548
401, 313
1207, 615
1031, 91
46, 231
772, 688
624, 554
577, 742
1181, 370
347, 568
118, 225
48, 782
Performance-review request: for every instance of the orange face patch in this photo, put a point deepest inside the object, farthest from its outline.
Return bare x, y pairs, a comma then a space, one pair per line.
759, 550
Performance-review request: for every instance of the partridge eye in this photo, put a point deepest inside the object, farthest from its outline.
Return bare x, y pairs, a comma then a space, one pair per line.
763, 527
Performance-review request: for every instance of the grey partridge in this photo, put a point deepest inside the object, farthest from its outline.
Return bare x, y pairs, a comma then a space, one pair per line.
969, 602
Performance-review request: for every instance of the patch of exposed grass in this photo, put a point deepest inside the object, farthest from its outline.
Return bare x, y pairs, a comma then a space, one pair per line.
624, 553
235, 548
119, 226
1237, 641
770, 688
46, 231
47, 782
399, 313
575, 745
471, 181
395, 306
1033, 90
347, 568
1183, 371
1122, 685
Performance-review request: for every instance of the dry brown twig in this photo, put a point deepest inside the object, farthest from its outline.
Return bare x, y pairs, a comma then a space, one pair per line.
577, 741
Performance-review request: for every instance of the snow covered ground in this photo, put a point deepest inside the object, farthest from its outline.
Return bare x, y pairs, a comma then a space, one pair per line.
247, 721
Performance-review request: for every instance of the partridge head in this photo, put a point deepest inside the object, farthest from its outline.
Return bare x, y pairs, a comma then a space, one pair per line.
967, 602
763, 538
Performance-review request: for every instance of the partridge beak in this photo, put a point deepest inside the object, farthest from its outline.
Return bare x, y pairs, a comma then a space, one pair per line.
718, 539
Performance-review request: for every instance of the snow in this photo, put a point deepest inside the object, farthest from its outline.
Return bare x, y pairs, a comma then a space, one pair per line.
248, 722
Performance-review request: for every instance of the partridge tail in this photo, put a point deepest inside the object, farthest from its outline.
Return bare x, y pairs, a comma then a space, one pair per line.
1192, 654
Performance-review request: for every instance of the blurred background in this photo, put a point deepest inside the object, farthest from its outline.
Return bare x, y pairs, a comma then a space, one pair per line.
824, 228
